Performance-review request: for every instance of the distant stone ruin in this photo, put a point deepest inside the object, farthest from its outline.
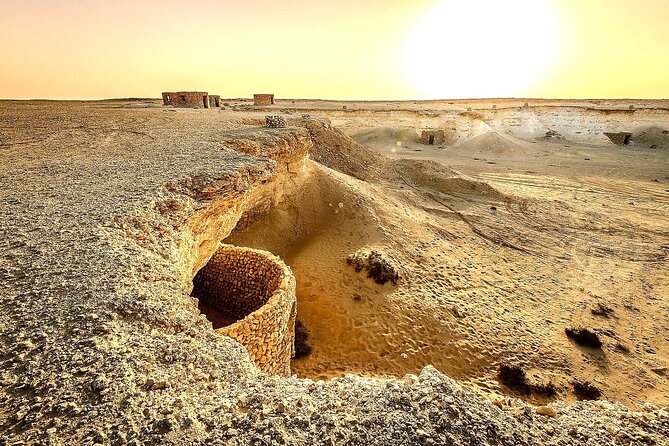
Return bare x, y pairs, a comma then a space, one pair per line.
187, 99
432, 137
249, 295
263, 99
214, 101
619, 138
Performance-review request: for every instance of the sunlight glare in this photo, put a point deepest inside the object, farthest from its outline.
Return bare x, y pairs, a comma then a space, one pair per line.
481, 48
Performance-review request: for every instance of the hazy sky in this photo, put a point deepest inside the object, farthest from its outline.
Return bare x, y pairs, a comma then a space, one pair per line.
367, 49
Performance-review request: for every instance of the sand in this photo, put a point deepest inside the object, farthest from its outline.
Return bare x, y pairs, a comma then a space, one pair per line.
503, 238
490, 279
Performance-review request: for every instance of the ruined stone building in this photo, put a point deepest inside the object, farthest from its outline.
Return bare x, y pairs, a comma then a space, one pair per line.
214, 100
263, 99
619, 138
432, 137
188, 99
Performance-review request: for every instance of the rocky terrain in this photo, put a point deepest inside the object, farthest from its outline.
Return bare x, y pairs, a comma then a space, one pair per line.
108, 209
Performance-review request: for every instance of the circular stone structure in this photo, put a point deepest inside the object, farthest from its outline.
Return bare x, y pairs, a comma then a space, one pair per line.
249, 295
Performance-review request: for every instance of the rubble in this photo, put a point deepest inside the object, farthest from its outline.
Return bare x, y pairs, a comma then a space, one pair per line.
376, 265
275, 122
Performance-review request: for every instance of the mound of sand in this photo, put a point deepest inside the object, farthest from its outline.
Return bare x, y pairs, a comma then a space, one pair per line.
493, 143
652, 137
430, 175
334, 149
339, 151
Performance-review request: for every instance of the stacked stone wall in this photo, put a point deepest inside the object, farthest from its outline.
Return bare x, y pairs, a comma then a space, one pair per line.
256, 289
275, 122
188, 99
438, 137
214, 101
620, 138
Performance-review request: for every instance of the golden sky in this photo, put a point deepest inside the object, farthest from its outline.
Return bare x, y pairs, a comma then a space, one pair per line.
345, 49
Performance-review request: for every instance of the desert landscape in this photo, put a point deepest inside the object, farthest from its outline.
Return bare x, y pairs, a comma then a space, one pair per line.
362, 222
463, 272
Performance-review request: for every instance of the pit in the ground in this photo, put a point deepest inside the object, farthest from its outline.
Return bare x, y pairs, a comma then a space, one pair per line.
249, 295
354, 324
234, 284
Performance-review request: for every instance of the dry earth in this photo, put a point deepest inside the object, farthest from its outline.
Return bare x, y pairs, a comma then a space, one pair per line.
526, 222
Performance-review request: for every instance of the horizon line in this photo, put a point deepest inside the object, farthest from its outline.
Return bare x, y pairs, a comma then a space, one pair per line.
350, 100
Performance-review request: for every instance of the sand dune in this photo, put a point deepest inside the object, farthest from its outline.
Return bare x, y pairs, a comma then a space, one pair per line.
494, 143
653, 137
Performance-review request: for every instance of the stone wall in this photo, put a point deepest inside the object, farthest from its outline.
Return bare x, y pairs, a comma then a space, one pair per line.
432, 137
275, 122
214, 100
620, 138
263, 99
188, 99
255, 290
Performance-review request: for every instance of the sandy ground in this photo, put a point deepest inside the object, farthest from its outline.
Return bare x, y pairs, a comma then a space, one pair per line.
503, 237
584, 224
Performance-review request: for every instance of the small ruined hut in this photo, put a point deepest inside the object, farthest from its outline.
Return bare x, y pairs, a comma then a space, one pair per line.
263, 99
188, 99
214, 100
619, 138
432, 137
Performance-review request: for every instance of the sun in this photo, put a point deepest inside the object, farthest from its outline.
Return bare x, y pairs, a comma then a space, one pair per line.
481, 48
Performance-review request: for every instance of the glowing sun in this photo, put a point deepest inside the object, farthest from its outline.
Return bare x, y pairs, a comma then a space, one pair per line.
481, 48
